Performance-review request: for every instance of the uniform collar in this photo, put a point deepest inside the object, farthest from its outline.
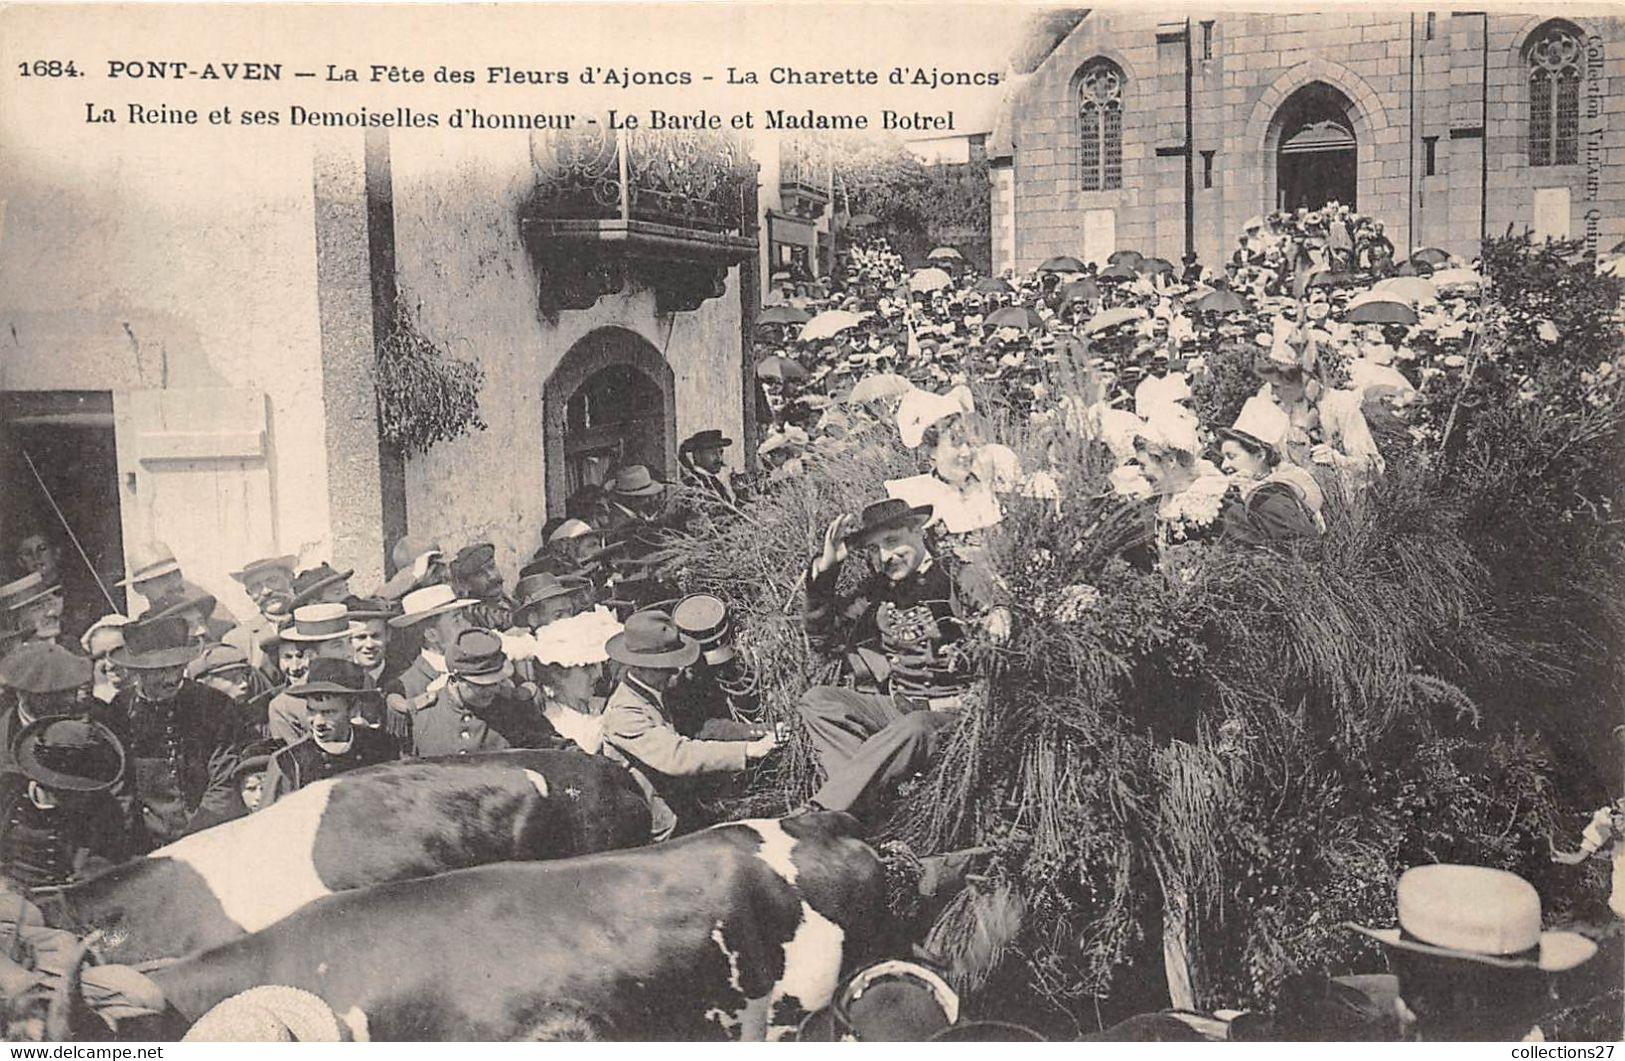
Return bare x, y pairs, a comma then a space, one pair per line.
643, 690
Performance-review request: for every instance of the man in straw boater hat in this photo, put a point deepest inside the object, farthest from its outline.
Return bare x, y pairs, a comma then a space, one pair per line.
181, 736
322, 631
1471, 961
894, 634
637, 730
433, 616
332, 693
59, 819
268, 582
32, 608
480, 709
156, 576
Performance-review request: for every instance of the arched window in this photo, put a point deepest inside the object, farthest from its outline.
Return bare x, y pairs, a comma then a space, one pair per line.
1554, 55
1100, 125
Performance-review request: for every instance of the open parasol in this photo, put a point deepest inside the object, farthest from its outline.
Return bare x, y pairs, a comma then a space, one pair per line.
779, 368
1153, 266
1023, 317
1111, 318
1414, 268
1061, 263
828, 323
1221, 300
945, 253
992, 285
879, 386
1415, 289
1432, 255
1084, 290
1120, 271
1448, 278
926, 280
1132, 259
1379, 307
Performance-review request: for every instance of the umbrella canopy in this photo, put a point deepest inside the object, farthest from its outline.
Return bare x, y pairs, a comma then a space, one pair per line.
1085, 290
1111, 318
876, 387
992, 285
782, 315
929, 280
1379, 307
1432, 255
1222, 300
1410, 288
1445, 278
1153, 266
1120, 271
1023, 317
1131, 259
862, 221
779, 368
945, 252
828, 323
1414, 268
1061, 263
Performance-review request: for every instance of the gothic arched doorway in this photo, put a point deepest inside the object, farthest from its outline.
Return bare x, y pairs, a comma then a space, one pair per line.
609, 403
1316, 154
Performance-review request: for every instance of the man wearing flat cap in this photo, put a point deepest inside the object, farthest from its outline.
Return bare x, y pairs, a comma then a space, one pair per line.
43, 680
480, 709
637, 730
898, 635
332, 692
182, 737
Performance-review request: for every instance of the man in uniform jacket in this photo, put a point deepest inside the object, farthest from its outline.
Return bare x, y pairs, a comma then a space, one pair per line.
181, 738
58, 817
899, 636
332, 693
480, 709
637, 731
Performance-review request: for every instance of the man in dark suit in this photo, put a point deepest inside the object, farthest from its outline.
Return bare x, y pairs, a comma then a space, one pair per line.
333, 692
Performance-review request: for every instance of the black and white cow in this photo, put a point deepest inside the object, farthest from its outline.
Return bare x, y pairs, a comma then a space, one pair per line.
737, 931
390, 822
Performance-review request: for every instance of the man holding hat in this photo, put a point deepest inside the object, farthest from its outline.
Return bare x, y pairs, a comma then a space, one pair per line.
59, 820
433, 616
637, 730
323, 631
907, 619
332, 694
480, 709
181, 736
46, 681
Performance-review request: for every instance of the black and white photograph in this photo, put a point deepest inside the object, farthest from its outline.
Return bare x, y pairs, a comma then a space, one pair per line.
837, 521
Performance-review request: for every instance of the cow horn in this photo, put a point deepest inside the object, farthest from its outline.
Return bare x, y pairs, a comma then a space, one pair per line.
69, 1018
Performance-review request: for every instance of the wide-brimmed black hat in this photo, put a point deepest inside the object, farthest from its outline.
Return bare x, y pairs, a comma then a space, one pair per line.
651, 639
44, 667
889, 514
369, 608
69, 754
155, 643
707, 439
306, 584
192, 599
477, 657
332, 677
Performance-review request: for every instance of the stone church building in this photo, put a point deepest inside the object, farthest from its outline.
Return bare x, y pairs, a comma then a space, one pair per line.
1123, 131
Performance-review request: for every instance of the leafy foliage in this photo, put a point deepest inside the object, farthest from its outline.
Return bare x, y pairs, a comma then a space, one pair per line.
425, 395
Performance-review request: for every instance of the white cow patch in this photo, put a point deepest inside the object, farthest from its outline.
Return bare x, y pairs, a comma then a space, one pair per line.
538, 782
812, 966
261, 868
356, 1020
776, 846
732, 956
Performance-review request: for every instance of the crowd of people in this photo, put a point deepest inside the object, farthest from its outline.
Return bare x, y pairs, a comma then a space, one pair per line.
121, 732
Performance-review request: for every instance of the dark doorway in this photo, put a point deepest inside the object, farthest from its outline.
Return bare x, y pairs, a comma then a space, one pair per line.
1317, 156
59, 465
615, 417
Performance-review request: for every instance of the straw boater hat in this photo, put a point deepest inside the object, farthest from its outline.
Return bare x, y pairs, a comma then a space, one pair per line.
147, 561
1261, 424
1477, 914
572, 528
24, 591
428, 602
153, 644
705, 619
270, 1013
651, 639
320, 622
69, 754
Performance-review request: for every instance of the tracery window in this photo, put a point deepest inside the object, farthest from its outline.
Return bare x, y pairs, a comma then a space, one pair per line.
1100, 125
1554, 55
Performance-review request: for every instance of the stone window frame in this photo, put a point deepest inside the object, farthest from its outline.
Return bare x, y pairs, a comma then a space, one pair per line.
1100, 90
1554, 59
